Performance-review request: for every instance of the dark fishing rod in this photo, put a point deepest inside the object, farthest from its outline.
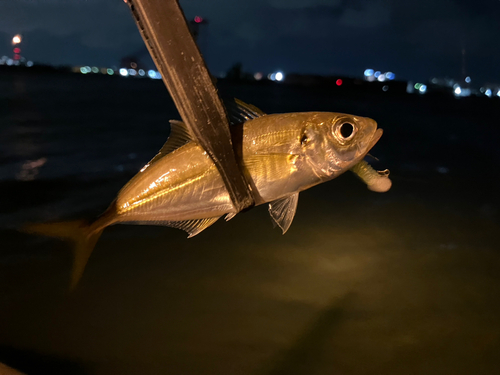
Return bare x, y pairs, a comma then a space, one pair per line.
166, 34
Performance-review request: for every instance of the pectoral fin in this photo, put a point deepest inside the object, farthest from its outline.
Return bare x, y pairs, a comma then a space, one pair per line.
282, 211
229, 216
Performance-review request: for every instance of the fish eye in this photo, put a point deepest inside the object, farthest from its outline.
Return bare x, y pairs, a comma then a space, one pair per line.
304, 139
346, 130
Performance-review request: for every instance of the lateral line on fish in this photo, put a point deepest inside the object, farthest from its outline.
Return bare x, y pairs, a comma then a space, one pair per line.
273, 134
126, 207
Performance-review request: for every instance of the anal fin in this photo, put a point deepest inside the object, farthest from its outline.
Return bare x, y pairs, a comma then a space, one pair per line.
192, 227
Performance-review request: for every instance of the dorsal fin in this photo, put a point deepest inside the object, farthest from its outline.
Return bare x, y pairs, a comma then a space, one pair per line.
282, 211
179, 136
239, 112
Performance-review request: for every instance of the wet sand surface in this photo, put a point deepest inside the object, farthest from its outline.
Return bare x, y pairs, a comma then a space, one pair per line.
406, 282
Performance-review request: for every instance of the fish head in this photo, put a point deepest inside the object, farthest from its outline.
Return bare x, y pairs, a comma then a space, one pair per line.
334, 142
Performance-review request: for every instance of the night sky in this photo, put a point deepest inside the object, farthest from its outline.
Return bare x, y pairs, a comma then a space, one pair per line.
416, 40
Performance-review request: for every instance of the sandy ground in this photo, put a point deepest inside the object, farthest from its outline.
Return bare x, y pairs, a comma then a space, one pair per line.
406, 282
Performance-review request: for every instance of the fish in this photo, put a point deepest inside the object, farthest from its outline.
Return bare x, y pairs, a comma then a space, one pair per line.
280, 155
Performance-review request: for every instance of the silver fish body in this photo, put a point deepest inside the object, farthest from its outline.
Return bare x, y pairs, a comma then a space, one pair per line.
280, 154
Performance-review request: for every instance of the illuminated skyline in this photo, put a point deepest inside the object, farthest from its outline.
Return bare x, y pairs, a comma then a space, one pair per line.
415, 39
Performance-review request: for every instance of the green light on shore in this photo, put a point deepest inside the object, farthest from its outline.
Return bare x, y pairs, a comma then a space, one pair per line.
110, 71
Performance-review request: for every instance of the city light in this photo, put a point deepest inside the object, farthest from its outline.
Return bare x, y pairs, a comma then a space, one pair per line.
444, 84
154, 74
278, 76
422, 89
17, 39
372, 75
258, 76
461, 91
369, 72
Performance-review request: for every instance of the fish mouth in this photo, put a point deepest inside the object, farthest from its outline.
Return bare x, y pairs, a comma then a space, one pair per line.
375, 138
372, 142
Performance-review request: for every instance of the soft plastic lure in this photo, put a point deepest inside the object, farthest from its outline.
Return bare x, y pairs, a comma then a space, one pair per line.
377, 181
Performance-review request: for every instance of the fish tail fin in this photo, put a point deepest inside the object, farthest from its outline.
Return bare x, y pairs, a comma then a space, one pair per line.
83, 236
